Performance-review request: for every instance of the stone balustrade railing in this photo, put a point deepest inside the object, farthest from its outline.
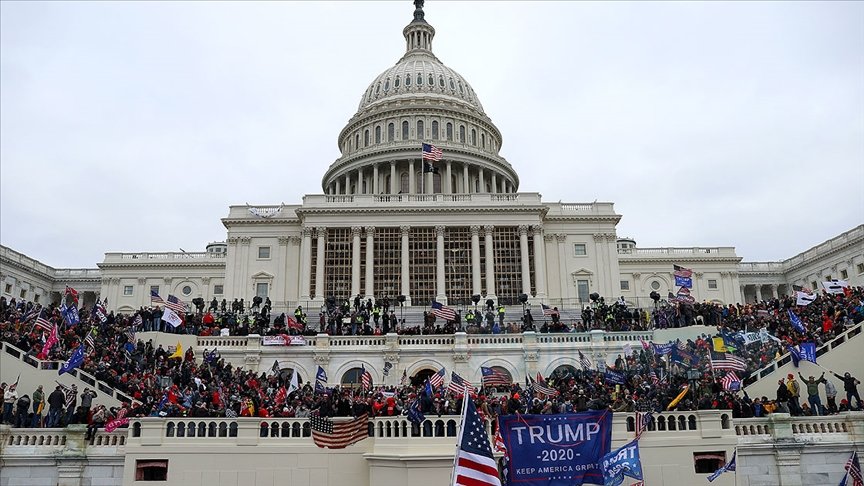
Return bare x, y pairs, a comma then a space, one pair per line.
845, 426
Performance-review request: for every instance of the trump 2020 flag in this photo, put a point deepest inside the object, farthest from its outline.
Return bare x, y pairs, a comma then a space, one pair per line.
796, 322
622, 462
808, 352
76, 360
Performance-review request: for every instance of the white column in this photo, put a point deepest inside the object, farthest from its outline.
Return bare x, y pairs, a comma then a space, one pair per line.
475, 261
393, 178
441, 294
406, 262
449, 183
355, 261
347, 184
360, 181
281, 283
758, 293
375, 183
412, 181
539, 263
495, 183
600, 255
305, 262
338, 187
321, 233
465, 180
482, 181
370, 261
490, 264
523, 256
562, 263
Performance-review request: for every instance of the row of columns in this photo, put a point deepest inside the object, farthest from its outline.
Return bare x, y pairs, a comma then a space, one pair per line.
758, 291
376, 185
320, 234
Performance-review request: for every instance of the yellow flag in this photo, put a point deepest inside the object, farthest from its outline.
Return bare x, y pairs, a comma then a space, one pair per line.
178, 353
677, 399
720, 345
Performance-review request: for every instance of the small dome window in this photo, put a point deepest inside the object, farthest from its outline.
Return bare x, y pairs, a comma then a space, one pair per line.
431, 80
460, 87
407, 80
441, 81
387, 85
419, 79
396, 83
452, 84
377, 89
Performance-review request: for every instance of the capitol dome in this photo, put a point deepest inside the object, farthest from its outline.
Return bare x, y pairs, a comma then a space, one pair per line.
419, 100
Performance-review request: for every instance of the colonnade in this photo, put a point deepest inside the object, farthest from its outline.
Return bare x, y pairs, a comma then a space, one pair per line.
386, 178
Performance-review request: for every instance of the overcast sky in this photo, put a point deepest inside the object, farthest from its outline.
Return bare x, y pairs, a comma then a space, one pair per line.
131, 126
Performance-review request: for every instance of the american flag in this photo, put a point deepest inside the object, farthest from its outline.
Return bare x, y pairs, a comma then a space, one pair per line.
155, 299
542, 389
731, 382
853, 470
493, 377
549, 311
437, 380
584, 361
443, 312
500, 446
137, 322
404, 380
431, 152
175, 304
90, 341
724, 361
475, 465
642, 421
682, 272
339, 435
457, 384
42, 321
366, 379
653, 377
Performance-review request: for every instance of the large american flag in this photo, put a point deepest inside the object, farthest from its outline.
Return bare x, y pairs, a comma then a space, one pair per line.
441, 311
731, 382
175, 304
853, 470
549, 311
366, 379
457, 384
493, 377
42, 321
723, 361
431, 152
155, 299
437, 380
475, 465
339, 435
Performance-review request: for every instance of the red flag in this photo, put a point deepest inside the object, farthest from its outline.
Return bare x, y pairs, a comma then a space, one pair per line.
49, 343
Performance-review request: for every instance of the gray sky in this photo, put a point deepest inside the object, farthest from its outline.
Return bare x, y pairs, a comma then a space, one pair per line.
131, 126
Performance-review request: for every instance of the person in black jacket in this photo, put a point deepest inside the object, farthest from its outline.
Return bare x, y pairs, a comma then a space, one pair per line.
850, 385
56, 402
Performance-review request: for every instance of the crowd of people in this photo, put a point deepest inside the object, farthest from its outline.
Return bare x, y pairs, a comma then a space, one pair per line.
165, 383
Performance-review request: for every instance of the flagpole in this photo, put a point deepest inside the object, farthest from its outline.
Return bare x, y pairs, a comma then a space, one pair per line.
465, 399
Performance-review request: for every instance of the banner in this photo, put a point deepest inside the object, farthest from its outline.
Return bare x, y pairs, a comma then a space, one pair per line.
559, 449
283, 340
835, 286
622, 462
615, 377
808, 352
803, 298
719, 345
683, 282
663, 348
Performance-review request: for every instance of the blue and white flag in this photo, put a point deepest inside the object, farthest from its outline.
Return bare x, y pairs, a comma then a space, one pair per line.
730, 466
622, 462
70, 314
795, 354
415, 415
796, 322
662, 349
320, 380
615, 377
808, 352
686, 282
76, 360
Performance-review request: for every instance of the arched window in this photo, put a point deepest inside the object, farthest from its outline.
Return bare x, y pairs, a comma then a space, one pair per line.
441, 81
407, 80
366, 138
391, 132
357, 141
403, 183
449, 131
419, 79
483, 140
431, 80
462, 133
352, 377
386, 184
387, 85
473, 137
378, 134
421, 132
404, 130
396, 82
434, 130
477, 185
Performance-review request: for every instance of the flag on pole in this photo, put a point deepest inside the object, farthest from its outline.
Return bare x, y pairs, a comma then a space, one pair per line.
155, 299
796, 322
100, 312
365, 378
731, 382
437, 380
549, 311
853, 470
431, 152
808, 352
684, 390
387, 367
584, 361
175, 304
76, 360
643, 419
295, 382
804, 298
43, 322
90, 339
73, 293
53, 339
404, 380
339, 435
441, 311
730, 466
680, 271
171, 317
474, 464
457, 384
835, 286
320, 380
493, 377
178, 353
70, 314
415, 415
727, 361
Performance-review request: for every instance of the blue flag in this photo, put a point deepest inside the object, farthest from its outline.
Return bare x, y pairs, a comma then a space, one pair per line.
76, 360
320, 380
808, 352
622, 462
615, 377
70, 314
730, 466
794, 354
796, 322
686, 282
414, 413
662, 349
428, 389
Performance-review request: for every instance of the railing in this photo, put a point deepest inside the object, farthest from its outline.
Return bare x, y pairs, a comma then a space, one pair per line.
54, 441
761, 267
525, 198
223, 341
719, 251
776, 364
628, 336
201, 255
430, 340
563, 338
364, 341
77, 273
37, 266
494, 339
781, 425
82, 375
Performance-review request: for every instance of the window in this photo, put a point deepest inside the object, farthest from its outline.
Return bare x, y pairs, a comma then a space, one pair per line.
844, 274
151, 470
828, 278
462, 133
708, 462
387, 85
261, 289
154, 289
396, 82
366, 138
483, 140
712, 284
404, 130
407, 80
22, 294
218, 289
8, 288
391, 132
357, 141
36, 298
449, 131
813, 285
421, 134
419, 79
860, 268
655, 285
263, 252
625, 285
431, 80
434, 130
473, 137
582, 290
378, 134
127, 290
580, 249
186, 290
